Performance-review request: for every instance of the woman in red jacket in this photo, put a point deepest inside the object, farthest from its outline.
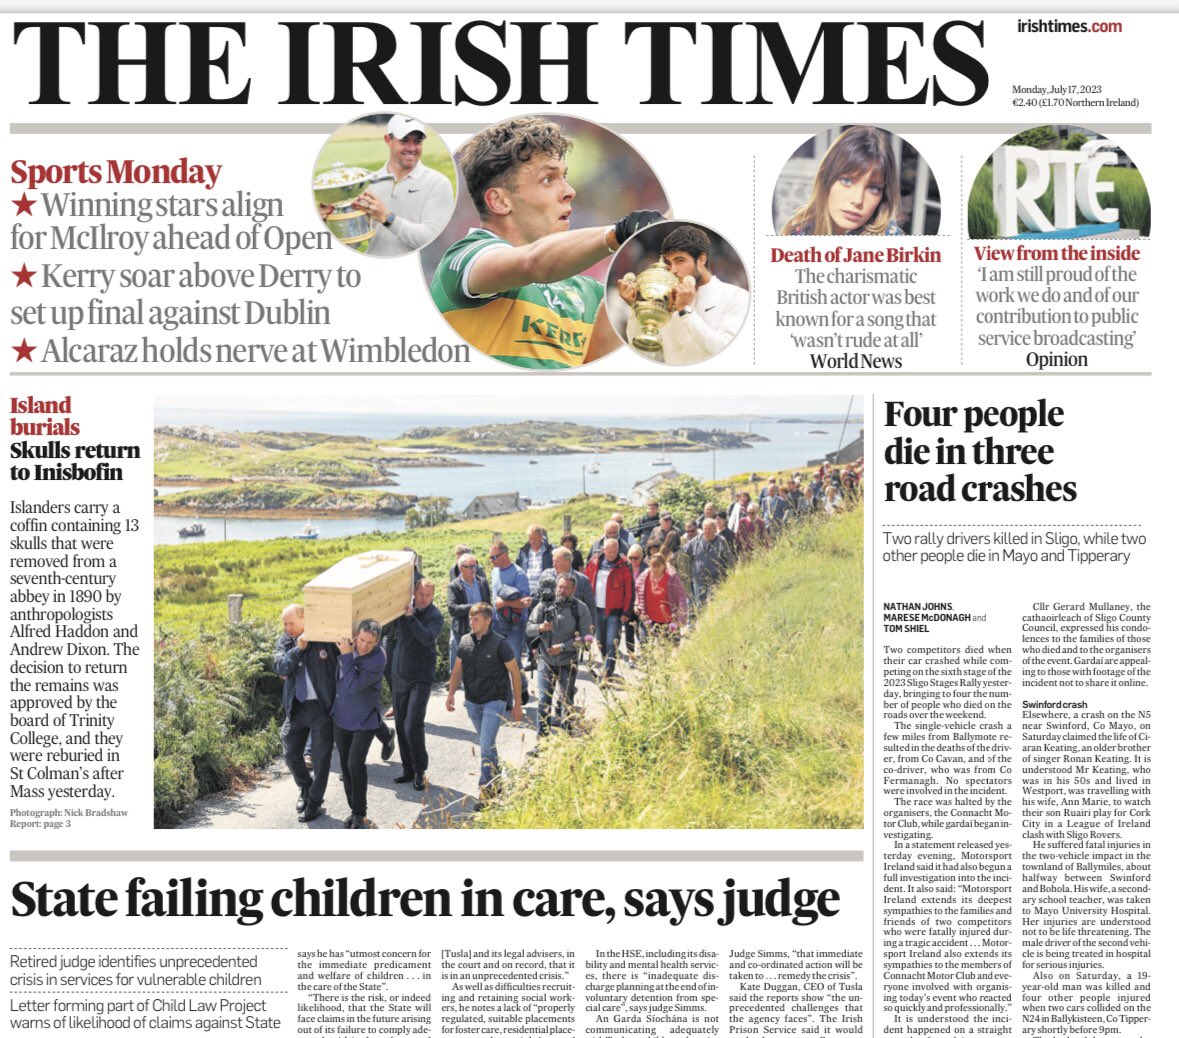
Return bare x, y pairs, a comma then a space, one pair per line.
660, 599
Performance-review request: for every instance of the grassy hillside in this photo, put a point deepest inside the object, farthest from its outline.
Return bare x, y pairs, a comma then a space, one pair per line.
196, 454
192, 581
757, 720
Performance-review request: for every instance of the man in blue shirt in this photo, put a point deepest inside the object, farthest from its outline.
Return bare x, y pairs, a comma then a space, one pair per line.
511, 598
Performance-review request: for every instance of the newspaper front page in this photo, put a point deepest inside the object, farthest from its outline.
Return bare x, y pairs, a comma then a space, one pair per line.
588, 523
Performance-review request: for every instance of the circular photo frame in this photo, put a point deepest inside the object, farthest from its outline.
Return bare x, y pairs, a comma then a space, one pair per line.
856, 180
519, 271
384, 184
678, 293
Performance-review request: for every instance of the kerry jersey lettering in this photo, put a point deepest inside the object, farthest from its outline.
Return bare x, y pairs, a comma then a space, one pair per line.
534, 326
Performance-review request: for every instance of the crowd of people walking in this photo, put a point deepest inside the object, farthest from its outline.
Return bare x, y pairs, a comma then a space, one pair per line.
549, 611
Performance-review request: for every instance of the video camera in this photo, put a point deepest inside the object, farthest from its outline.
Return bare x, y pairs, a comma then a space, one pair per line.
546, 595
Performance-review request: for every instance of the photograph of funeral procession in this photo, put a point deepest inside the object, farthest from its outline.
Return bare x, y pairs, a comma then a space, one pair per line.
633, 613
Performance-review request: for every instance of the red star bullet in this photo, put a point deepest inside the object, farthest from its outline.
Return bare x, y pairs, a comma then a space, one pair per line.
24, 276
24, 204
24, 351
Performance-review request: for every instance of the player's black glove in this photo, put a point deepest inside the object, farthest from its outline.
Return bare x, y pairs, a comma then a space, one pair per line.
634, 222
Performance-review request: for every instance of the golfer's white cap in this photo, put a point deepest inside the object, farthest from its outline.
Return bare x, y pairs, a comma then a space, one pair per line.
401, 126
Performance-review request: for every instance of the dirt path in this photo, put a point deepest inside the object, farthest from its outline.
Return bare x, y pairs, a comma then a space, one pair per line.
449, 798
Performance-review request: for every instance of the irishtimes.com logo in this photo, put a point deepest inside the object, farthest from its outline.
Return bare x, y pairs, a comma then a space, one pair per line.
1056, 25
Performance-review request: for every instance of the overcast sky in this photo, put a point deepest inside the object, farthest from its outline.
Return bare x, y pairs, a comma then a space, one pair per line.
577, 405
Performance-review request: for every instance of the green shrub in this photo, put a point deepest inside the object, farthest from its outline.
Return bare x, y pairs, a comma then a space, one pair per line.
1128, 196
175, 787
684, 496
217, 702
1043, 138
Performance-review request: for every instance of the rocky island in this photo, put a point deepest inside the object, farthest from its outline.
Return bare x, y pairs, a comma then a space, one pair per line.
247, 500
308, 474
540, 437
200, 456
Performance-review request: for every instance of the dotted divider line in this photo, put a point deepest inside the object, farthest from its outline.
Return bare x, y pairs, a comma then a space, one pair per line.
962, 264
1050, 526
149, 991
753, 272
128, 947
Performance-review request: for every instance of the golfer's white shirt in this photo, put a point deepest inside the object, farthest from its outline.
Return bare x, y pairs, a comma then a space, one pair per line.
421, 201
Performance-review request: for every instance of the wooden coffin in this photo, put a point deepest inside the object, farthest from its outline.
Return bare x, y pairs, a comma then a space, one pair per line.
376, 585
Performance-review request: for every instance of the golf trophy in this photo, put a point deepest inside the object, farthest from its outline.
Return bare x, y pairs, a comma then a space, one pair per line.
339, 187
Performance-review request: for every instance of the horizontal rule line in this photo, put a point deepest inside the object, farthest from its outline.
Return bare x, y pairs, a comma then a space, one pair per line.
756, 372
437, 856
693, 128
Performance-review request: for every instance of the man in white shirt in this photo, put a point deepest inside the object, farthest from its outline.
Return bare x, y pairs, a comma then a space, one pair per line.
410, 210
707, 313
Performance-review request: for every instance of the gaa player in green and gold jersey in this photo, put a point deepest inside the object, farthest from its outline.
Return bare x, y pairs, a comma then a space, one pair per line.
513, 288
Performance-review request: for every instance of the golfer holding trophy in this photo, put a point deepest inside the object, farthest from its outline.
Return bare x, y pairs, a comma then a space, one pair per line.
391, 211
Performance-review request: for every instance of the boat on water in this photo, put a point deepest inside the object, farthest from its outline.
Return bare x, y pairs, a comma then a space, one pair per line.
661, 461
194, 529
533, 461
308, 533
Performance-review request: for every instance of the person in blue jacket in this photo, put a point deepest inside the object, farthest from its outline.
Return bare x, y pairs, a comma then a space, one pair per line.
357, 714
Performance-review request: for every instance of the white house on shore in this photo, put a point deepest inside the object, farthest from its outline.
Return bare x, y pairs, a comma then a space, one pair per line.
645, 489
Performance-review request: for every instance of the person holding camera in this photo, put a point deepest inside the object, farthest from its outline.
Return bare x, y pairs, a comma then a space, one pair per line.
560, 623
565, 564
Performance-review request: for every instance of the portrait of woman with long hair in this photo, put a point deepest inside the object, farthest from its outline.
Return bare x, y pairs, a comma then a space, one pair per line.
856, 189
